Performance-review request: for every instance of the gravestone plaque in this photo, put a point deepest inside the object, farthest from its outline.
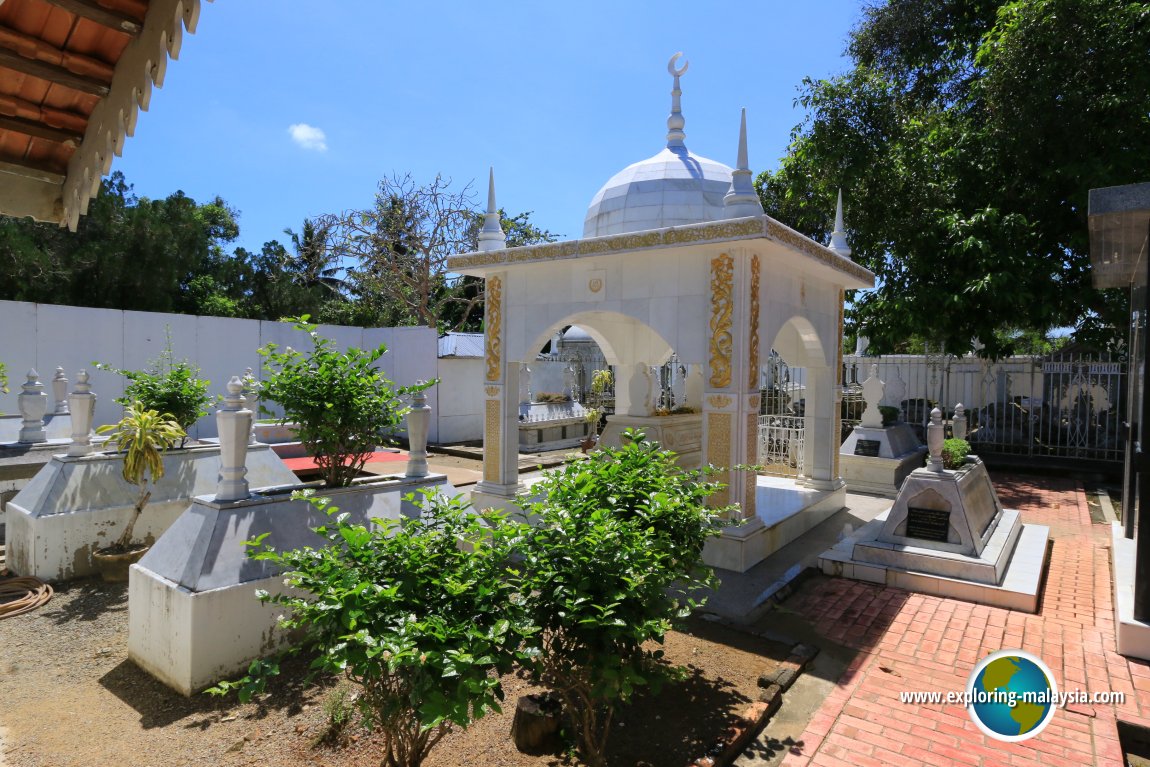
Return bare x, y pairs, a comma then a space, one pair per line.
868, 447
927, 524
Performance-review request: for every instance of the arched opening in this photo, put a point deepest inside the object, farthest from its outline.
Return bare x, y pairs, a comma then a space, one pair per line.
787, 397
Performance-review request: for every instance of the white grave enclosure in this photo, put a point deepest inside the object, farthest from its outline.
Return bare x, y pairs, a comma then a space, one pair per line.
876, 458
194, 618
677, 256
948, 534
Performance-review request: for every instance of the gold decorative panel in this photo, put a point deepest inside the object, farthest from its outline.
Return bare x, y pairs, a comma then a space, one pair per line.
711, 232
719, 453
722, 305
492, 442
752, 457
719, 400
492, 391
494, 327
753, 352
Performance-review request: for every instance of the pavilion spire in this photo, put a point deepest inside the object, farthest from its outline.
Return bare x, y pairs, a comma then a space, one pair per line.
491, 237
839, 235
675, 121
741, 199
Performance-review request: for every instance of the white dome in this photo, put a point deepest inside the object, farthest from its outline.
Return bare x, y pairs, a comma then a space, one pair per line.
673, 188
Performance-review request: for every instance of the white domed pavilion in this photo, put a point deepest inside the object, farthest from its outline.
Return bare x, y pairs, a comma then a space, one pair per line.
677, 257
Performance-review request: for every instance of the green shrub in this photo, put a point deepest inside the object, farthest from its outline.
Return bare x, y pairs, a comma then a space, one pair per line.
419, 615
166, 386
889, 414
618, 542
343, 404
954, 452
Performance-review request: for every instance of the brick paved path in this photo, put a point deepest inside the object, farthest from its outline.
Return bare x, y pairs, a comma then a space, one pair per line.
915, 642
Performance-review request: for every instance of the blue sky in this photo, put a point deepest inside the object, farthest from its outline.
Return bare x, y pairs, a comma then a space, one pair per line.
556, 96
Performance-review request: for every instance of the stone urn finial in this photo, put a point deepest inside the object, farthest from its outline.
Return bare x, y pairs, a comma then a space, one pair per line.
958, 423
935, 436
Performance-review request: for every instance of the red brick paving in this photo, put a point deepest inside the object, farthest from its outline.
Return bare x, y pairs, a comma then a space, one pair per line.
915, 642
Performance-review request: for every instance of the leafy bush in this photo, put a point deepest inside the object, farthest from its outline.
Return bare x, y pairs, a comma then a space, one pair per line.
889, 414
166, 386
414, 613
343, 404
954, 453
142, 434
551, 397
618, 542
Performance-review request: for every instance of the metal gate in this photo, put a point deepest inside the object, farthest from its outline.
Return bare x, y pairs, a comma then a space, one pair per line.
782, 421
1065, 405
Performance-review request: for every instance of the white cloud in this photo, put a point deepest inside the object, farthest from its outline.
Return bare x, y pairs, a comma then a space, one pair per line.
308, 137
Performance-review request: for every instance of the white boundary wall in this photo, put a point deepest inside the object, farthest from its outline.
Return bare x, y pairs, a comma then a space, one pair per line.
44, 336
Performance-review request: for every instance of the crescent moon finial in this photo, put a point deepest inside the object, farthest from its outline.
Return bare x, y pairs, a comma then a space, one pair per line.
671, 65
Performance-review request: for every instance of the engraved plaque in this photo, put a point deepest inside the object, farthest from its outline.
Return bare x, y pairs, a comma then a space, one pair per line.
868, 447
927, 524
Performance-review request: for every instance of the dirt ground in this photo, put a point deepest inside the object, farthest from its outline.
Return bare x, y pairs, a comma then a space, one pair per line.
70, 697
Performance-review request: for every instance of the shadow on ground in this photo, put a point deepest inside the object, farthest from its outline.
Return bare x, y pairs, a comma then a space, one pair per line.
159, 706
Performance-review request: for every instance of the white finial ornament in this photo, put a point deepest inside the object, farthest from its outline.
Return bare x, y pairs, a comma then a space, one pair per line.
839, 236
741, 199
491, 237
675, 121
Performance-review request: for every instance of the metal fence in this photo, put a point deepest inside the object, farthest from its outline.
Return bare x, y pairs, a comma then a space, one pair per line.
1066, 405
782, 422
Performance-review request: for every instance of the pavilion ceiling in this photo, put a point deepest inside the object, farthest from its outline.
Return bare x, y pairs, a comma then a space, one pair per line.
73, 75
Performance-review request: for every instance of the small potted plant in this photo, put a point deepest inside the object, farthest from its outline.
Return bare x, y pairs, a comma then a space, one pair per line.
141, 435
601, 381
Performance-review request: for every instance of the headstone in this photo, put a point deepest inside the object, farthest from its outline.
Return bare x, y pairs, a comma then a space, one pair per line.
33, 405
958, 424
60, 392
234, 422
679, 385
639, 390
82, 404
695, 386
873, 390
935, 436
418, 420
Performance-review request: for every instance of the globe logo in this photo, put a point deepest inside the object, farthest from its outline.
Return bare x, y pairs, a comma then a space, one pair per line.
1012, 695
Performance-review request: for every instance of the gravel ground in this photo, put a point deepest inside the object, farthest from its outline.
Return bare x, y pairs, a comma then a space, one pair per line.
70, 697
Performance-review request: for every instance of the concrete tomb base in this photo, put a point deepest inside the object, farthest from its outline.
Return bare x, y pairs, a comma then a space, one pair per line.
547, 426
75, 505
948, 534
194, 618
785, 510
877, 460
682, 433
1133, 635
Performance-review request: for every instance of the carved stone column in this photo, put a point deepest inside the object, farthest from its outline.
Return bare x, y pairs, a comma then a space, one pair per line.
731, 377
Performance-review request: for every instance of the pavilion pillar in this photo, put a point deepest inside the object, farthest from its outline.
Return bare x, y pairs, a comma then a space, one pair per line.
731, 395
500, 482
821, 443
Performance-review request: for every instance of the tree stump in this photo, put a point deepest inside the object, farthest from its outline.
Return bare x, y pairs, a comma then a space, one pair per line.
535, 728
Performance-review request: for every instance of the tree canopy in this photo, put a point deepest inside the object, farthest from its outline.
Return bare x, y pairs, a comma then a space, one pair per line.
966, 138
383, 266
